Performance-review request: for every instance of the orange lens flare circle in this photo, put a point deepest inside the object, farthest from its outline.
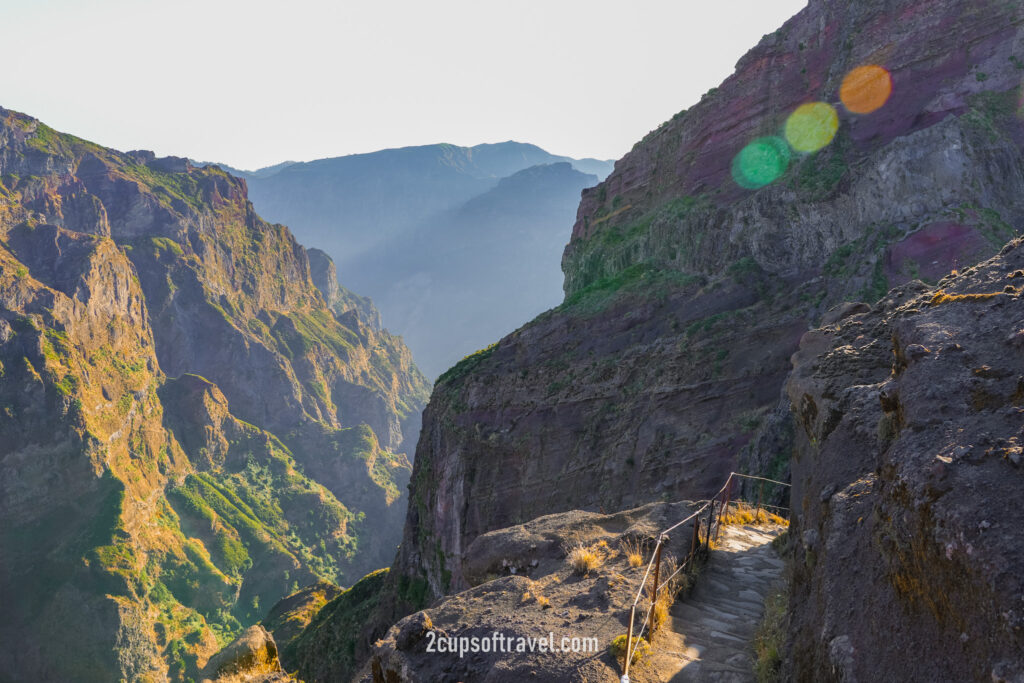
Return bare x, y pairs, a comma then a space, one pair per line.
866, 89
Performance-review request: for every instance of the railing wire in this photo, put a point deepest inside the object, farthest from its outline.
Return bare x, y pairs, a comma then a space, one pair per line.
724, 494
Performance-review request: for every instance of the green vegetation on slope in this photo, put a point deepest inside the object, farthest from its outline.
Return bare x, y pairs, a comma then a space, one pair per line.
177, 524
641, 278
326, 649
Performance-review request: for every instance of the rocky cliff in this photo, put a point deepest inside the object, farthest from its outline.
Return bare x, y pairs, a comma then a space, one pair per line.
187, 429
686, 293
906, 481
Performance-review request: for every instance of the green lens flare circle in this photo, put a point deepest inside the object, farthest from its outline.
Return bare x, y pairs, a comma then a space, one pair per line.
812, 126
761, 162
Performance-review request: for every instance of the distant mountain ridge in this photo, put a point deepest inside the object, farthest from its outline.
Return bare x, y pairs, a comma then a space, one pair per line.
448, 241
352, 198
478, 271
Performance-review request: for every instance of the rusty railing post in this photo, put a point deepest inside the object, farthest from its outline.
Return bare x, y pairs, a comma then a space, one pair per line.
719, 526
711, 520
760, 492
693, 542
654, 593
728, 498
629, 640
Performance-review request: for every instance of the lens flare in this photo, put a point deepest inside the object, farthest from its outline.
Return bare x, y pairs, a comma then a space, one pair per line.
812, 126
866, 89
761, 162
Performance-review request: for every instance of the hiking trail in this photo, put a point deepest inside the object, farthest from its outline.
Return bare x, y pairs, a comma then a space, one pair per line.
709, 635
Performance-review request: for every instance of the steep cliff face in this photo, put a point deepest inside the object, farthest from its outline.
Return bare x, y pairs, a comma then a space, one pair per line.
907, 164
906, 484
147, 519
686, 294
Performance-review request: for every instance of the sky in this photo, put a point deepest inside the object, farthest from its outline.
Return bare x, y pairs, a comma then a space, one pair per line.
255, 83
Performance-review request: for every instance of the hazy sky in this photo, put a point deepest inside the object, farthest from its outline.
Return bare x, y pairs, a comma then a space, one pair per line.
257, 82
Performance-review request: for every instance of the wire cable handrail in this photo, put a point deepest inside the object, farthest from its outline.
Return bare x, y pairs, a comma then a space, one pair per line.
655, 561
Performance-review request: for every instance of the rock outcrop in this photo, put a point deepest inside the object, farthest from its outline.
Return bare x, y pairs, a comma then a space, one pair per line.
906, 484
524, 589
250, 658
686, 294
187, 429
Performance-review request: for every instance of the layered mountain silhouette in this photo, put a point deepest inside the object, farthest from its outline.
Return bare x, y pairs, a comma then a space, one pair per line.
456, 245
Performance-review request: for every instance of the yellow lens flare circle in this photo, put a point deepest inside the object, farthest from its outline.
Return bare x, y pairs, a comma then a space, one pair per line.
866, 89
812, 126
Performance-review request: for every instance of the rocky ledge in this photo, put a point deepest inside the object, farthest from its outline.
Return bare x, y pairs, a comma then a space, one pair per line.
906, 484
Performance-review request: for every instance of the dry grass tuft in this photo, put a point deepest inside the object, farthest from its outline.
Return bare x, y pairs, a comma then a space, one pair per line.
633, 550
528, 597
741, 513
659, 615
583, 560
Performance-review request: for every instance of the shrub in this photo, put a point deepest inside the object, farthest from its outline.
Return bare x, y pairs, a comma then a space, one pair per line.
639, 646
583, 560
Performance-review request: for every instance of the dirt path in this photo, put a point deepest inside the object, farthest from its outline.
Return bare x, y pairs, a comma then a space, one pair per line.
710, 634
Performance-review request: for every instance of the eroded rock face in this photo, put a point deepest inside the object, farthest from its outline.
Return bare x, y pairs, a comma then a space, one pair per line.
906, 485
598, 410
187, 429
340, 300
665, 367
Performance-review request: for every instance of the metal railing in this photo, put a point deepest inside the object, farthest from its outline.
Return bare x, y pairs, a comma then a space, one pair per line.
721, 500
